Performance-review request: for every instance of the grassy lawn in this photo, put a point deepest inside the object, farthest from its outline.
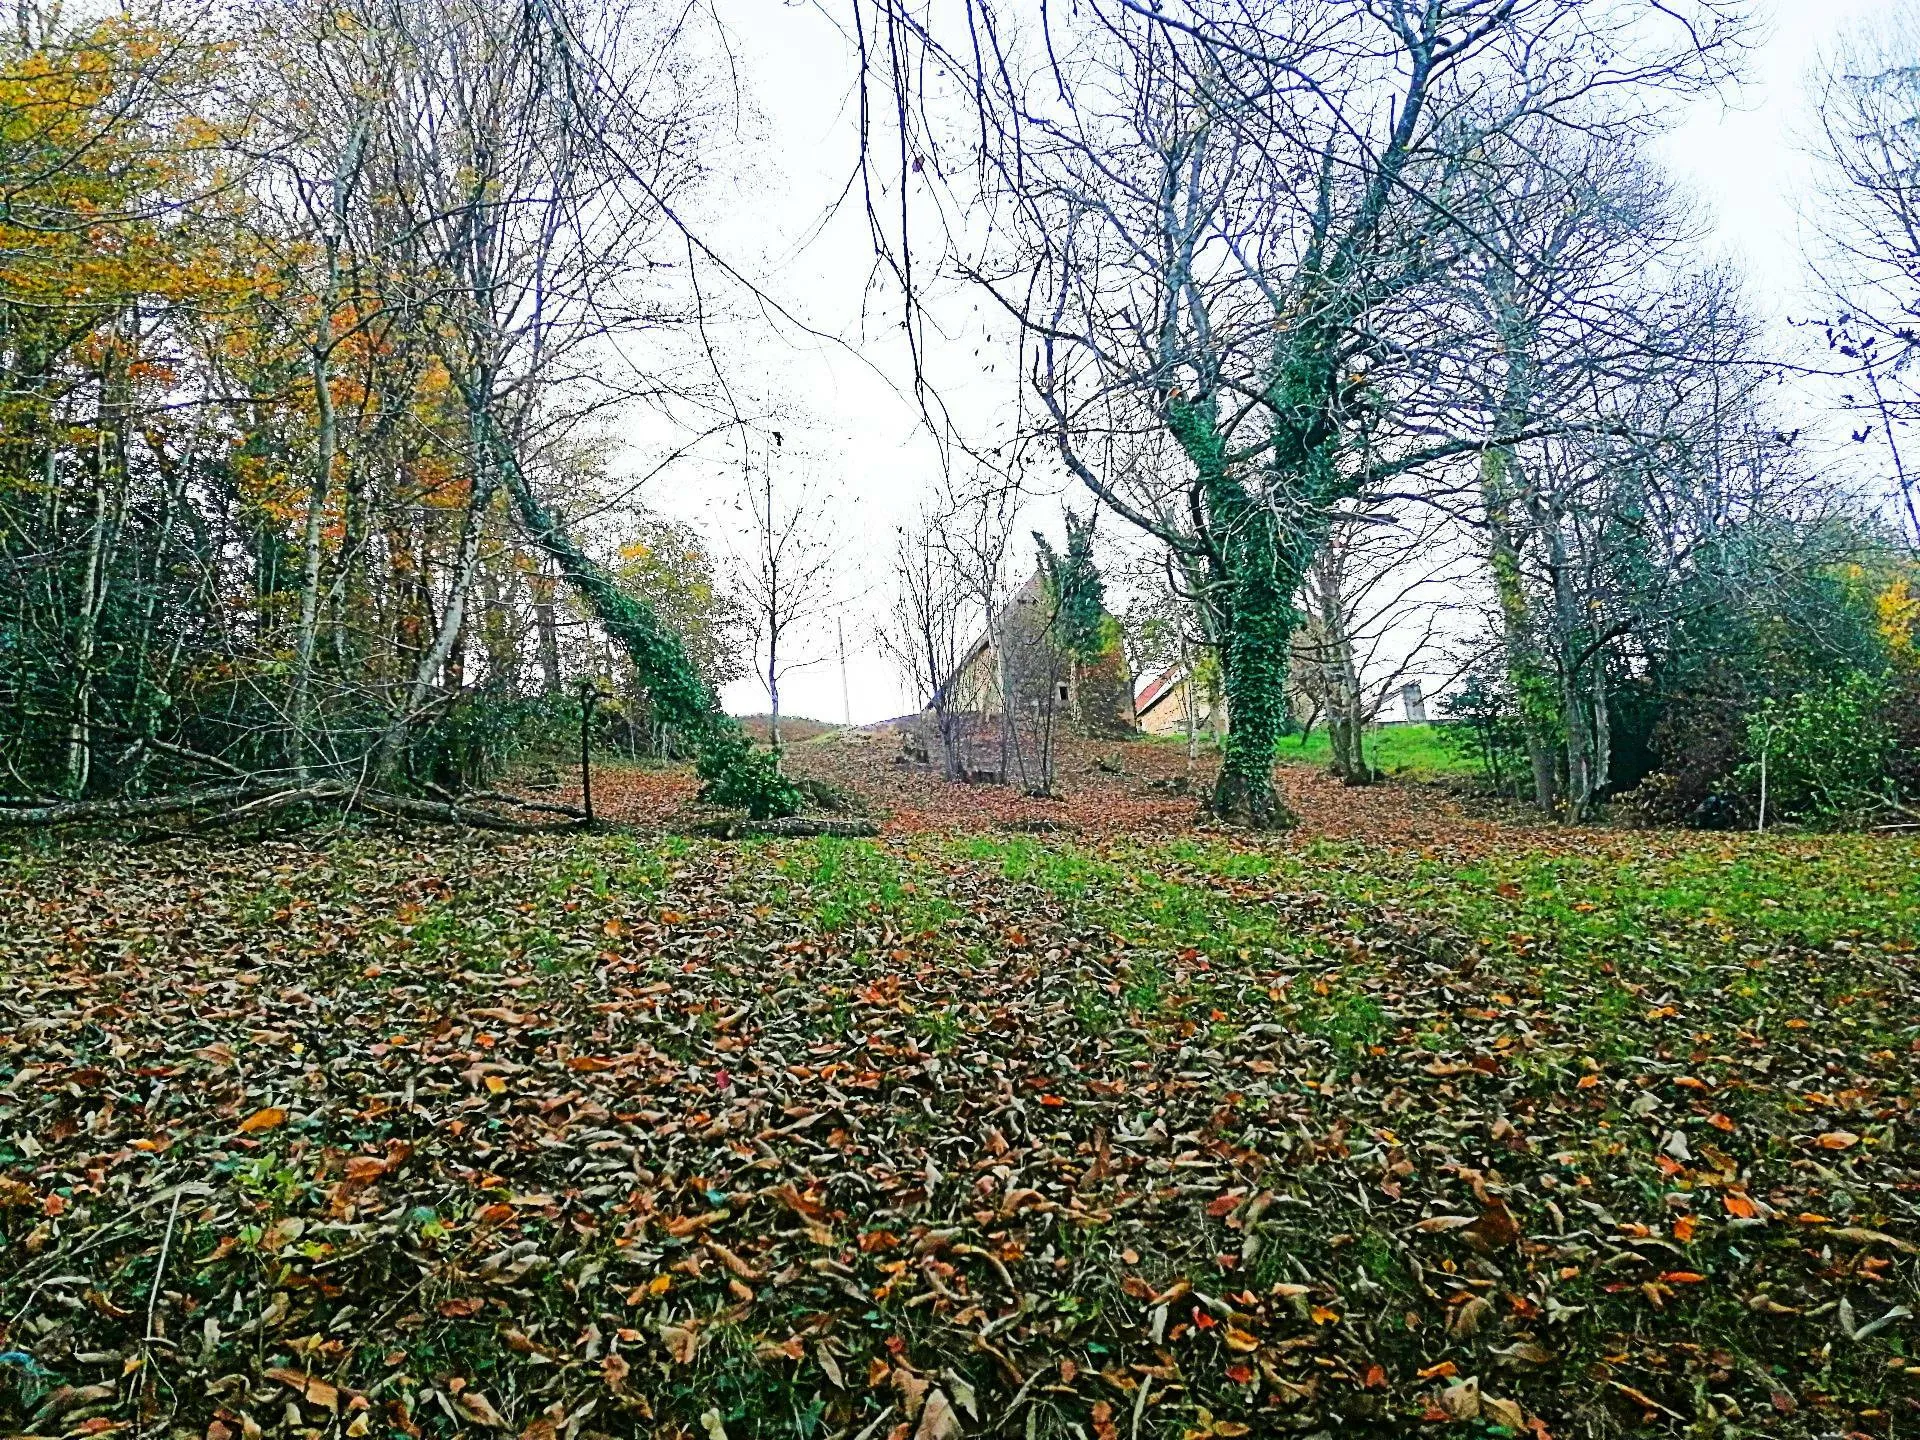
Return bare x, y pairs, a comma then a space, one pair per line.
1408, 752
994, 1135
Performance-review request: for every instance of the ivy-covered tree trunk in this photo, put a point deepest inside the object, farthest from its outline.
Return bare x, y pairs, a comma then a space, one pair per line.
1261, 620
1526, 667
733, 772
1255, 569
1527, 675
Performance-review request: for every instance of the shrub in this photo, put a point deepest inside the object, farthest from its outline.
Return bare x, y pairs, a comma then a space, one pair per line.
738, 775
483, 732
1486, 727
1827, 753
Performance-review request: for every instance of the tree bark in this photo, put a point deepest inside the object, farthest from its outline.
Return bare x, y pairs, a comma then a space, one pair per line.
541, 584
1255, 571
326, 439
1525, 665
1526, 668
453, 617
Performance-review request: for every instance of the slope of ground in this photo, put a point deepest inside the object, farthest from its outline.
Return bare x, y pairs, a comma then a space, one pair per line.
1103, 788
794, 729
947, 1134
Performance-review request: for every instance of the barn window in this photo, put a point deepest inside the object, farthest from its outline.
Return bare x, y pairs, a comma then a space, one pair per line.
1063, 689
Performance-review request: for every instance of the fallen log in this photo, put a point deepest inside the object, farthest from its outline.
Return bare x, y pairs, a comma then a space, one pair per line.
65, 812
233, 803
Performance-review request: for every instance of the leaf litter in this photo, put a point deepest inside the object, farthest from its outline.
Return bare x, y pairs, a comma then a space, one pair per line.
947, 1135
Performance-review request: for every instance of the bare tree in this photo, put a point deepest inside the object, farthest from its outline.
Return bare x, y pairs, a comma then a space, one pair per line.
785, 577
1577, 300
1869, 214
930, 615
980, 515
1380, 600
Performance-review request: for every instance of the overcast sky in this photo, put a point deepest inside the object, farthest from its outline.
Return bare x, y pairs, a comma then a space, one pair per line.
1744, 155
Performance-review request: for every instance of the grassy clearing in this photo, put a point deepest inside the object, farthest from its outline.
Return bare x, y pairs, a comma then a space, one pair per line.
1406, 752
832, 1137
1419, 753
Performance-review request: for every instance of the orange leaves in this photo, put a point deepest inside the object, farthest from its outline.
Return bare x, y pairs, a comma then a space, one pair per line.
270, 1118
681, 1226
1837, 1140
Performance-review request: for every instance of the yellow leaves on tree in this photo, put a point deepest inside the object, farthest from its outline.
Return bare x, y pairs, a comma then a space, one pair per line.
103, 226
1897, 610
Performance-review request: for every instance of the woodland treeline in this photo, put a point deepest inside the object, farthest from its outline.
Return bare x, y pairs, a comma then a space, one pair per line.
306, 330
314, 323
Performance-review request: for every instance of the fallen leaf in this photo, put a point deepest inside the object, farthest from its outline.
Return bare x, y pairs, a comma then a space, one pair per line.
682, 1342
1504, 1413
937, 1419
480, 1410
1461, 1400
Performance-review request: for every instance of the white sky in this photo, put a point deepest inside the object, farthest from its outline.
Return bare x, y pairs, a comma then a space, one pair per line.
1744, 155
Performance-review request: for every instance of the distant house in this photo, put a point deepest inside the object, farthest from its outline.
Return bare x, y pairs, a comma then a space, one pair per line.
1017, 654
1161, 705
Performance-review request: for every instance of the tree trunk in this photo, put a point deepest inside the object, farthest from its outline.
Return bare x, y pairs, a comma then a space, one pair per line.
1346, 725
1567, 642
1526, 667
92, 598
1602, 726
429, 668
541, 584
326, 439
1526, 670
773, 692
1189, 705
1258, 640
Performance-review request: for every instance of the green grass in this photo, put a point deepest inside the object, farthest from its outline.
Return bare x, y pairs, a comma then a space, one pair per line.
1412, 752
1409, 752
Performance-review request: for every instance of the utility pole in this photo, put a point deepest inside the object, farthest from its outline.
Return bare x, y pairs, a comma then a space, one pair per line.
846, 694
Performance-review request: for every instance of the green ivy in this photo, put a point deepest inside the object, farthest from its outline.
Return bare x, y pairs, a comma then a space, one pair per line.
1080, 622
733, 773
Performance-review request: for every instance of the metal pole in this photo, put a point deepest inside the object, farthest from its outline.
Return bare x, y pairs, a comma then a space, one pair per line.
588, 694
846, 695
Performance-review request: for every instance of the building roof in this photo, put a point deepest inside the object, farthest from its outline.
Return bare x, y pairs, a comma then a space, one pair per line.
1157, 688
